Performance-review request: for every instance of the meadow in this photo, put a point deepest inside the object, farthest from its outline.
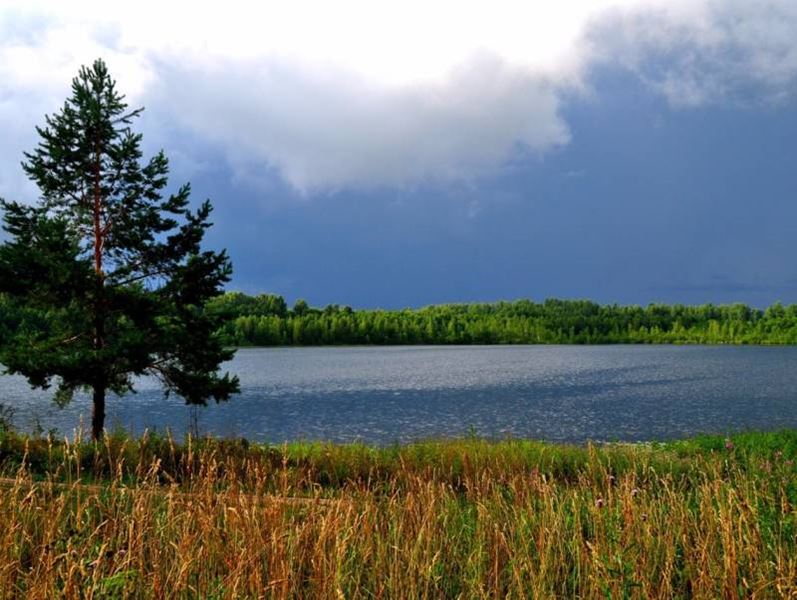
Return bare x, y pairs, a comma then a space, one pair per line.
708, 517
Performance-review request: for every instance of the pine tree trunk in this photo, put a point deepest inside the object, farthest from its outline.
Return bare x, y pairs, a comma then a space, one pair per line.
98, 412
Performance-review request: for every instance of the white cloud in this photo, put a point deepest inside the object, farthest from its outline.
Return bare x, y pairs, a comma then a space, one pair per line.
329, 129
364, 93
714, 51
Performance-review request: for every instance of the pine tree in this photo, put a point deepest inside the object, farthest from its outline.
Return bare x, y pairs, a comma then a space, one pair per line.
106, 273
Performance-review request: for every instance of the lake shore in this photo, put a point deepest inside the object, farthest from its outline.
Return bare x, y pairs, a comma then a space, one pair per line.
147, 517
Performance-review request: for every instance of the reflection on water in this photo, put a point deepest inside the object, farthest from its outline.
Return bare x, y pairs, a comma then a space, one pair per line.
383, 395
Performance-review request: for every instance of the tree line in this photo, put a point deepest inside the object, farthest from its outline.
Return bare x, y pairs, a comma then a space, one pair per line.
266, 320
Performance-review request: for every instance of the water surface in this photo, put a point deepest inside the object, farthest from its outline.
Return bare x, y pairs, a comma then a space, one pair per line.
388, 394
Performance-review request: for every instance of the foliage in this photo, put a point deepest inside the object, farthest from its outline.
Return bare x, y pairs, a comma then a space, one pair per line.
708, 517
264, 321
105, 278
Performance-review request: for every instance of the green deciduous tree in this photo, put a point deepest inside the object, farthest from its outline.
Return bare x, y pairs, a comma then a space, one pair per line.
106, 272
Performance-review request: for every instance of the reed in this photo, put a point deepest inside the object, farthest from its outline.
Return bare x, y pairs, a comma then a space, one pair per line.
151, 518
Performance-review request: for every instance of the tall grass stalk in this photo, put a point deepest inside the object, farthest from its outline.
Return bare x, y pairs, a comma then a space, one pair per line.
151, 518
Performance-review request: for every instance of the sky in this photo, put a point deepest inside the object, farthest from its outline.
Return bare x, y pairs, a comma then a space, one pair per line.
392, 154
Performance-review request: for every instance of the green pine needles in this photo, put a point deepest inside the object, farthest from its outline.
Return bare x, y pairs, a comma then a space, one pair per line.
105, 274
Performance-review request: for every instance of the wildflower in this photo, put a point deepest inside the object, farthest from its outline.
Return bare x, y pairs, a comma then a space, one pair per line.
611, 478
788, 463
728, 444
644, 516
599, 503
634, 492
778, 454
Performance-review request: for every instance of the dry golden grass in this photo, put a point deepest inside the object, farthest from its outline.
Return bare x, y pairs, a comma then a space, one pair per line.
458, 519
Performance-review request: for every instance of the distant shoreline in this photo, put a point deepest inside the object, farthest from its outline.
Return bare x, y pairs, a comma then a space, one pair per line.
265, 320
529, 344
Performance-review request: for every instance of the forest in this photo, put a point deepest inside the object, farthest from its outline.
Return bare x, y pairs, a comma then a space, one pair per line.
266, 320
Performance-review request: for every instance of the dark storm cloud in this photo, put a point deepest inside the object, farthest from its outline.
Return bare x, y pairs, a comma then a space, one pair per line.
664, 206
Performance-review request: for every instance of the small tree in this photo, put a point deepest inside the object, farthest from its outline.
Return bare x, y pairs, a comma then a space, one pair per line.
105, 275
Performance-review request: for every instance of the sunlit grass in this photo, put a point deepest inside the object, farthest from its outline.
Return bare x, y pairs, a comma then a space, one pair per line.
706, 517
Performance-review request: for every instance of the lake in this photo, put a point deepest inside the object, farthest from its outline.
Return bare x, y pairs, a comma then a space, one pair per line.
388, 394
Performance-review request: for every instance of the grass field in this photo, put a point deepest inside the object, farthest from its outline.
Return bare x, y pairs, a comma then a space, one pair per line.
705, 518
